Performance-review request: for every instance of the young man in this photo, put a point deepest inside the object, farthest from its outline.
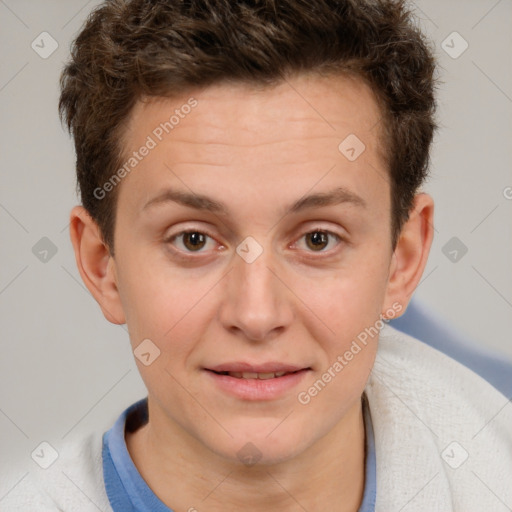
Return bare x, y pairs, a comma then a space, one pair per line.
249, 175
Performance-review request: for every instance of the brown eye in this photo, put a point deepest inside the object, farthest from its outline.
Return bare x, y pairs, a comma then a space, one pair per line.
190, 241
193, 240
318, 240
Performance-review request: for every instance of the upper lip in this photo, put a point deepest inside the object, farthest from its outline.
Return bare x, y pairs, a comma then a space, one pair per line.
243, 367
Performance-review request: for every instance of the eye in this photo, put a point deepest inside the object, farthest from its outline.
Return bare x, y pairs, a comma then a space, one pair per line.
318, 239
192, 240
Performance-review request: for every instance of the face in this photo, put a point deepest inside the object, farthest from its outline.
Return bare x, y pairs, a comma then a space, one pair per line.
231, 272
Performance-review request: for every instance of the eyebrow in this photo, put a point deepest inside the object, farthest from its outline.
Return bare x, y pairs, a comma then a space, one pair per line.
339, 195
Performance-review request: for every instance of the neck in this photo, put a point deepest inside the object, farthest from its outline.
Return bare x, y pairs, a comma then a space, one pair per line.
185, 475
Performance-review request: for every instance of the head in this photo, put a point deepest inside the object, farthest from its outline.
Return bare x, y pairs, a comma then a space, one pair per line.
220, 120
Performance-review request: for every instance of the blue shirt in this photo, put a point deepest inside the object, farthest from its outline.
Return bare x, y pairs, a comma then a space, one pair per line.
128, 492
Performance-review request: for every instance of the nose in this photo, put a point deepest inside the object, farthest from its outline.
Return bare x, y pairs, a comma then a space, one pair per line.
258, 304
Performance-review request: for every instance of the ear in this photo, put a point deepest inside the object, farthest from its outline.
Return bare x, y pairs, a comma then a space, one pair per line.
411, 253
95, 264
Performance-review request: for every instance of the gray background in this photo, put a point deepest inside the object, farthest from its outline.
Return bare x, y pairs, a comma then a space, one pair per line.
65, 369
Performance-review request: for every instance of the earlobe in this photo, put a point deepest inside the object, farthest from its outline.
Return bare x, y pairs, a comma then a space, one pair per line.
411, 253
95, 264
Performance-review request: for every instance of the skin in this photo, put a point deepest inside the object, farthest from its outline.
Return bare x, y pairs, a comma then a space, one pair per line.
257, 151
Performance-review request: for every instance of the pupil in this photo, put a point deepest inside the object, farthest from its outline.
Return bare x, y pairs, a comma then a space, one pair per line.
195, 239
318, 237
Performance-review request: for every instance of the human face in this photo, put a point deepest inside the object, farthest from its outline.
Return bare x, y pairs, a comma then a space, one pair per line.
290, 297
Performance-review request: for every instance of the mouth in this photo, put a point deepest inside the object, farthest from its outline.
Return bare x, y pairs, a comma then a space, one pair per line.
256, 375
268, 381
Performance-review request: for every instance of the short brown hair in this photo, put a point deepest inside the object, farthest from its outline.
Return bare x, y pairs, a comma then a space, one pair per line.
129, 49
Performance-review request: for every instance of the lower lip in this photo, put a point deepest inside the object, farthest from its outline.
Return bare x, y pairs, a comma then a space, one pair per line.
257, 389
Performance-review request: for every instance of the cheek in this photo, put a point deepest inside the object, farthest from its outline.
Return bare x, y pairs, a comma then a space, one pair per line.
170, 309
349, 300
351, 310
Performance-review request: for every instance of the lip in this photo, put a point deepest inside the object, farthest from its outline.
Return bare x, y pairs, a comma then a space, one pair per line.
269, 367
256, 389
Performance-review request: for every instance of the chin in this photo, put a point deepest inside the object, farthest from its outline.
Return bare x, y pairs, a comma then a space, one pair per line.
261, 446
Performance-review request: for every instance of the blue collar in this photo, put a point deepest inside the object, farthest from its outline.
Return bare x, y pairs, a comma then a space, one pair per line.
128, 492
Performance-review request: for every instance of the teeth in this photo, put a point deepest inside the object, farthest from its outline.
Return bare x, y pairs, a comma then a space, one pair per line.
266, 376
253, 375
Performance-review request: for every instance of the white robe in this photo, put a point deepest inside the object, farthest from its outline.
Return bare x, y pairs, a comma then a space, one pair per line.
443, 441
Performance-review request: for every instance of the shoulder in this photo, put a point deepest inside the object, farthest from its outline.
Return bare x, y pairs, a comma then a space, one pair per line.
73, 481
427, 407
421, 322
435, 385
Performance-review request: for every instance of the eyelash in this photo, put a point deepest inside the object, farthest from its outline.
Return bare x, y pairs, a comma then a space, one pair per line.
180, 253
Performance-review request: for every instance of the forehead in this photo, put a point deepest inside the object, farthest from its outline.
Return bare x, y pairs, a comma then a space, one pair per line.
238, 137
308, 104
